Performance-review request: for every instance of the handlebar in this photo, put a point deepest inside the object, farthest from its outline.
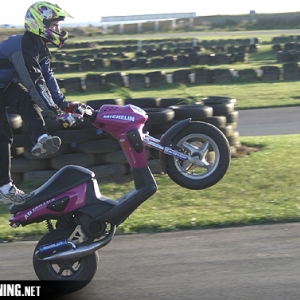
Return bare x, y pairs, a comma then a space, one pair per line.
76, 116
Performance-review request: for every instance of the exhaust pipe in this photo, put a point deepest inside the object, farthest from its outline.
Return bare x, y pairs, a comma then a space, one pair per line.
79, 251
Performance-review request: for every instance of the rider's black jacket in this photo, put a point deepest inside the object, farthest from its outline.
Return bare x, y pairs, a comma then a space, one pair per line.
26, 59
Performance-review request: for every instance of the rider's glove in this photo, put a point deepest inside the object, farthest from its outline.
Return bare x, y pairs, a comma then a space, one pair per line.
85, 111
69, 120
72, 107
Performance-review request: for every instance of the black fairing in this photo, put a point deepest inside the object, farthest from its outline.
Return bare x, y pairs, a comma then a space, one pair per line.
145, 187
135, 140
62, 181
98, 207
59, 205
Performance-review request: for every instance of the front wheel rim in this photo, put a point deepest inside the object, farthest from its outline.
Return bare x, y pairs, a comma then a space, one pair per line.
204, 149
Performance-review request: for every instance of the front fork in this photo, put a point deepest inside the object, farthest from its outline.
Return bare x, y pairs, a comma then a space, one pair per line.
167, 147
154, 143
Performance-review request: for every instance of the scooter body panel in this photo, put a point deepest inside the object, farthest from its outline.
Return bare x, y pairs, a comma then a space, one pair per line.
74, 199
119, 121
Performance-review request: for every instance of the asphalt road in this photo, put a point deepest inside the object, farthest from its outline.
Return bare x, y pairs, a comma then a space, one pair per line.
269, 121
255, 262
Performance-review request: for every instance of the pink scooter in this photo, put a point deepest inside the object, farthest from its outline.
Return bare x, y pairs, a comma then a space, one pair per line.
195, 155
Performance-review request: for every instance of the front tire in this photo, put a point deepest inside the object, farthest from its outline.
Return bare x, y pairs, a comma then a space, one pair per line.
206, 143
66, 275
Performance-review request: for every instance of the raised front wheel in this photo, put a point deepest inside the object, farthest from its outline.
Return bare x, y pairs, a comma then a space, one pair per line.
211, 153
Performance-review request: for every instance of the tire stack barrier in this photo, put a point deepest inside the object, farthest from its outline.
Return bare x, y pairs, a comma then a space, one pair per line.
115, 64
203, 76
181, 76
221, 58
141, 62
156, 78
156, 62
247, 75
73, 84
131, 45
100, 81
83, 145
181, 60
174, 53
86, 146
88, 64
93, 82
270, 73
169, 60
73, 64
283, 39
276, 48
136, 81
288, 56
292, 46
128, 64
291, 71
288, 52
114, 78
222, 76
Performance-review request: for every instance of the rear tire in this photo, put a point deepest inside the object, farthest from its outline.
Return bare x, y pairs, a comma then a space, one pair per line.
66, 275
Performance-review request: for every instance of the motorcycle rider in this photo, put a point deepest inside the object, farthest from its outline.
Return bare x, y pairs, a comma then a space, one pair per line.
27, 85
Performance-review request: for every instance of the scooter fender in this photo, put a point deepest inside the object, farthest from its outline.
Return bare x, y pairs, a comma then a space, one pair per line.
166, 140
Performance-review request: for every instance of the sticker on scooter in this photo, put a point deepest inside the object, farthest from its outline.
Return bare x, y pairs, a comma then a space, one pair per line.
178, 155
53, 247
120, 117
29, 213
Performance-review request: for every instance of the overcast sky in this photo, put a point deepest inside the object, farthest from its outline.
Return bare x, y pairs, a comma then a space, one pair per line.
13, 12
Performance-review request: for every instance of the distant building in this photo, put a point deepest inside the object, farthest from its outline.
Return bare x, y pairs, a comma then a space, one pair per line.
5, 26
148, 17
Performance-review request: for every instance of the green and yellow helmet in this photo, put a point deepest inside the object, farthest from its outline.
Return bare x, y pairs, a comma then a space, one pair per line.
38, 19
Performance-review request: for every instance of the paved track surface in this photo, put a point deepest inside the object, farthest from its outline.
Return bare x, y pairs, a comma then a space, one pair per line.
269, 121
255, 262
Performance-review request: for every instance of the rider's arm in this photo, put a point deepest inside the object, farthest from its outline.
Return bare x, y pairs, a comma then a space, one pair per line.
57, 95
26, 61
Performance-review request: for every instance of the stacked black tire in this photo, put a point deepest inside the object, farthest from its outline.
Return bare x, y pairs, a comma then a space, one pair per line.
86, 146
165, 112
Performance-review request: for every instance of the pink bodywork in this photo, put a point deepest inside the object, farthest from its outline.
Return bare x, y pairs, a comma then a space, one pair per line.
77, 197
117, 120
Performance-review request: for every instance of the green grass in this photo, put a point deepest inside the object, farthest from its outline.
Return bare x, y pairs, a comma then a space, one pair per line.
260, 188
222, 34
248, 95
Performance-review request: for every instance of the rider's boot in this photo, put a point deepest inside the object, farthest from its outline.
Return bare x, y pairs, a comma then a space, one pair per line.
46, 146
13, 196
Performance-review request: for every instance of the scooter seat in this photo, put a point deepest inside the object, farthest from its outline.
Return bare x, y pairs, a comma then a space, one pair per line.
65, 179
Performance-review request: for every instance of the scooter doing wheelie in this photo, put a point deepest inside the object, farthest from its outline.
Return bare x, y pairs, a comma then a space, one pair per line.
195, 155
